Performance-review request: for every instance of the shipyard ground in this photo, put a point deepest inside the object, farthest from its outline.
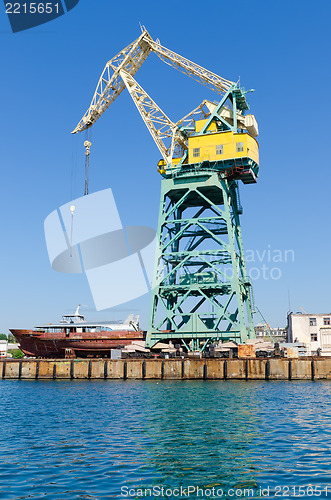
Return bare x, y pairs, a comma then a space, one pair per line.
309, 368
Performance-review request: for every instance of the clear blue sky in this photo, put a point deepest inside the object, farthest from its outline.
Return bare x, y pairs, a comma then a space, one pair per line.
48, 76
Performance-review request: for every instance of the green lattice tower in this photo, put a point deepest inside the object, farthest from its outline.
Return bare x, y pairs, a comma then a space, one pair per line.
201, 291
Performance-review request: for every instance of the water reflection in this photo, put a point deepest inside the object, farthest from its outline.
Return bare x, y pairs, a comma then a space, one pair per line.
199, 433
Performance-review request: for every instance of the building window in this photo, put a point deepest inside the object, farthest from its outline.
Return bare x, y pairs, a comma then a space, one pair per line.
196, 152
312, 321
313, 337
326, 321
239, 147
219, 149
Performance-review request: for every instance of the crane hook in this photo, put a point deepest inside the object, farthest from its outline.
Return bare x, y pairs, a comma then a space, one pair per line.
87, 145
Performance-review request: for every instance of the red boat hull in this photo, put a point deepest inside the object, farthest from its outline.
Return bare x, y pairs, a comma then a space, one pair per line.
88, 344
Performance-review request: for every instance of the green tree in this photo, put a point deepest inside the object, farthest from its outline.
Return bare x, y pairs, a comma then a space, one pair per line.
16, 353
3, 336
11, 338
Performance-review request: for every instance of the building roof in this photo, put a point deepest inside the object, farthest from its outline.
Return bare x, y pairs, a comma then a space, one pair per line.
309, 314
229, 344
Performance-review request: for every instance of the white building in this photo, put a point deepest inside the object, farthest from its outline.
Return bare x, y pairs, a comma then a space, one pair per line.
314, 330
264, 330
3, 348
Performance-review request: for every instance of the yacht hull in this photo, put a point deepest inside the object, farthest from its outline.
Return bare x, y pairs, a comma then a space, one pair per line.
43, 344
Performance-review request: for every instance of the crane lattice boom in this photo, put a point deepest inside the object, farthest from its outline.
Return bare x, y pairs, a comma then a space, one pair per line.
110, 84
191, 69
130, 59
158, 123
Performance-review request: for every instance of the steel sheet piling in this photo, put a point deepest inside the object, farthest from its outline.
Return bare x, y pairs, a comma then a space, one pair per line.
169, 369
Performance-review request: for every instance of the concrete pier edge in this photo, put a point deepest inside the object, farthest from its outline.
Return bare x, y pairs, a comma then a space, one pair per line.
169, 369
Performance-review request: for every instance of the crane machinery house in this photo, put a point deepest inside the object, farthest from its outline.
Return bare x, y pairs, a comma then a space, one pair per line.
195, 300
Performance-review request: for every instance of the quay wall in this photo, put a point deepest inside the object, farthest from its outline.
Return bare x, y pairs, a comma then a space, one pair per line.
169, 369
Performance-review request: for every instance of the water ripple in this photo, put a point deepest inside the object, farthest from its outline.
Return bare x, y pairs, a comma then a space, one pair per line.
88, 439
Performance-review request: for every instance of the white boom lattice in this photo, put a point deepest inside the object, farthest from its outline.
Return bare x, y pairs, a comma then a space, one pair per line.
157, 122
201, 112
130, 59
110, 84
202, 75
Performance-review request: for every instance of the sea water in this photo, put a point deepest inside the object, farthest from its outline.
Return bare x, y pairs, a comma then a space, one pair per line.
63, 439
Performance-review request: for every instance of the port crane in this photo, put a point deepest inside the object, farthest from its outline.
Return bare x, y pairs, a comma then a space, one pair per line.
201, 291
